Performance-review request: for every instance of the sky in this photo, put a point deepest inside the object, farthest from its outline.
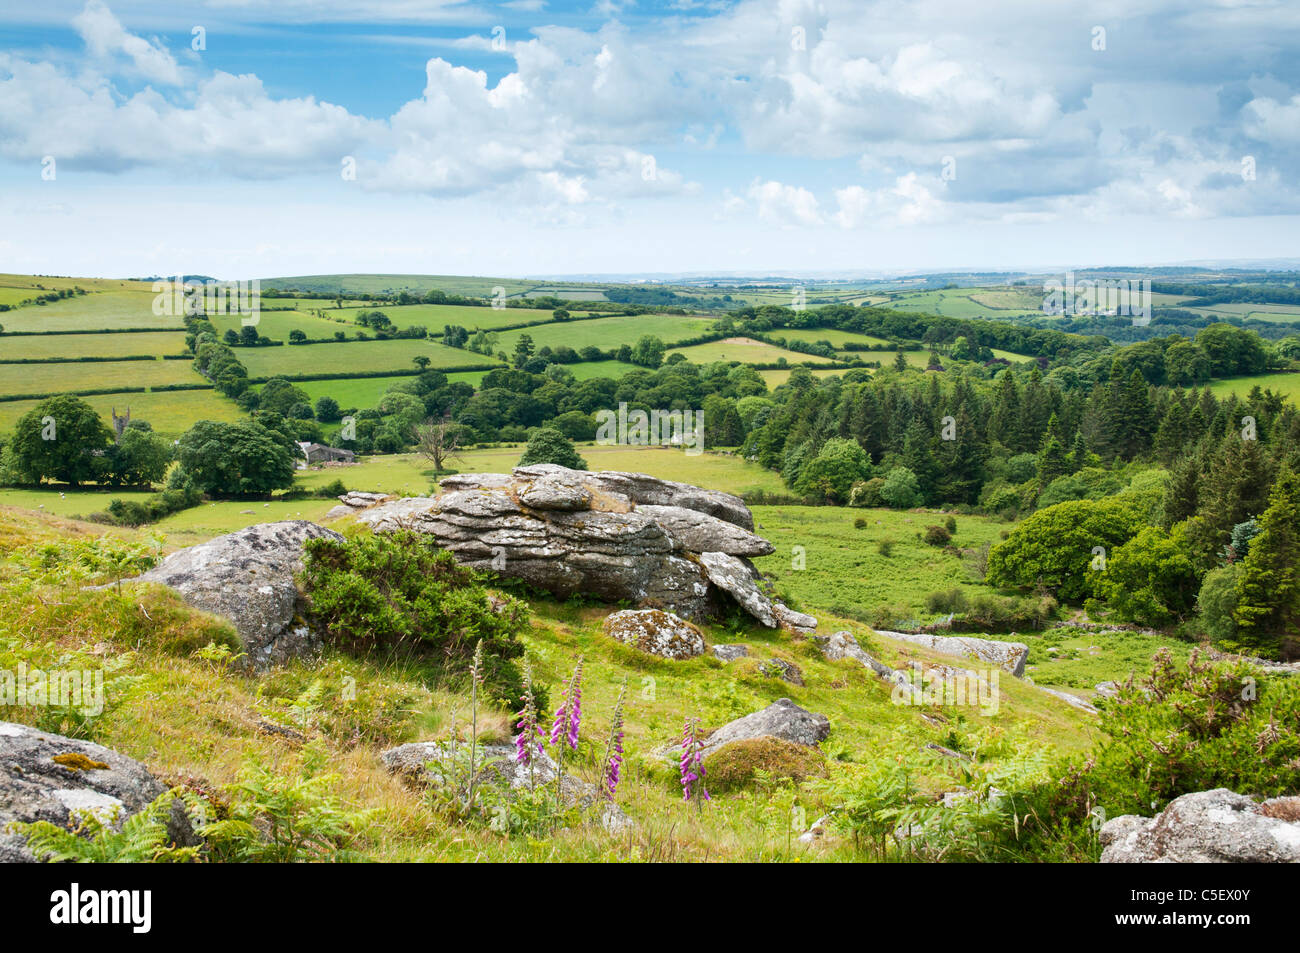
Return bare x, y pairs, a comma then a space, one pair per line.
251, 138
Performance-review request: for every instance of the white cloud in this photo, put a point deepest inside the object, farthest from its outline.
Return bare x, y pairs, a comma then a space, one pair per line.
785, 204
106, 38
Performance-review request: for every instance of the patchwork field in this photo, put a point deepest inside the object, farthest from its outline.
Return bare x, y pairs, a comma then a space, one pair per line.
834, 336
71, 377
745, 350
435, 316
152, 343
391, 355
93, 312
277, 324
611, 332
1285, 384
170, 412
778, 376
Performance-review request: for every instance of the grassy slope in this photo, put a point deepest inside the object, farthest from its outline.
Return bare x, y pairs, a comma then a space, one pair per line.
186, 720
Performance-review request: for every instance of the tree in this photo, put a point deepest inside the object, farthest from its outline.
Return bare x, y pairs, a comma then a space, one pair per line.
548, 445
1065, 548
831, 474
523, 350
230, 337
421, 362
327, 410
438, 441
61, 438
648, 351
560, 314
900, 489
248, 335
1151, 579
1052, 460
297, 337
139, 458
900, 361
236, 459
1268, 587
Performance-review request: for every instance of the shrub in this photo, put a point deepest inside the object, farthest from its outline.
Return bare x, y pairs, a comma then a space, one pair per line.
860, 523
547, 445
901, 489
950, 524
885, 547
734, 765
937, 536
945, 601
866, 493
399, 592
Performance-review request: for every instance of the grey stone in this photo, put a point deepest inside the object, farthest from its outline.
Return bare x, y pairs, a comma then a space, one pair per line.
1009, 656
614, 536
1218, 826
34, 787
729, 653
702, 533
782, 719
247, 577
656, 632
780, 668
418, 764
1071, 699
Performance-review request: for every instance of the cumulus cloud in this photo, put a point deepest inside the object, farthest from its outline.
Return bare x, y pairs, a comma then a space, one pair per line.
105, 38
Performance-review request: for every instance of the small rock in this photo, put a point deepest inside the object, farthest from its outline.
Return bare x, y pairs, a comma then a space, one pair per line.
657, 632
729, 653
780, 668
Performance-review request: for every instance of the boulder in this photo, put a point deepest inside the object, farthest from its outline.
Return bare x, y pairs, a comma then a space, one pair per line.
355, 501
46, 777
702, 533
248, 577
1218, 826
781, 719
1009, 656
780, 668
729, 653
620, 537
657, 632
738, 578
844, 644
418, 764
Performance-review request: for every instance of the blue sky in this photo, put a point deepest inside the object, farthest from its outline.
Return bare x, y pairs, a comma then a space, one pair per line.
528, 138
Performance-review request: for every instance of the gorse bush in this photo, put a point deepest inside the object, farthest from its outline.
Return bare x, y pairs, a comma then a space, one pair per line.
398, 592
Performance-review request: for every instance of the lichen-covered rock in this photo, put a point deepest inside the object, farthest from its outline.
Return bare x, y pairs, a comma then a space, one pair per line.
702, 533
729, 653
781, 719
619, 537
782, 669
844, 644
1218, 826
657, 632
354, 501
1009, 656
46, 777
738, 578
248, 577
421, 763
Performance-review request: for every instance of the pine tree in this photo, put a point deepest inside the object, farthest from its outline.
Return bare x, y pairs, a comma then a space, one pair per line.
1052, 461
1268, 586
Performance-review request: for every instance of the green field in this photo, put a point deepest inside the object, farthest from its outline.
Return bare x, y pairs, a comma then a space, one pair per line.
611, 332
352, 357
436, 316
745, 350
775, 378
384, 284
1286, 384
834, 336
844, 571
153, 343
276, 325
93, 312
60, 378
170, 412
